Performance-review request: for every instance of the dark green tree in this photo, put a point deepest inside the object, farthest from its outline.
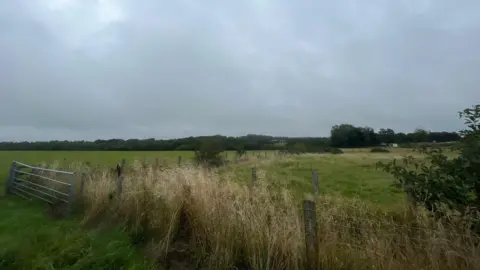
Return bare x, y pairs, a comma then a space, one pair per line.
209, 152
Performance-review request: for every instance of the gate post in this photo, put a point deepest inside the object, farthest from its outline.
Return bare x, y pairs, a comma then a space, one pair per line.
71, 195
11, 177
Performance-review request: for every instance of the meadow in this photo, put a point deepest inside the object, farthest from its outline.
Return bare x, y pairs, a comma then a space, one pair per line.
183, 217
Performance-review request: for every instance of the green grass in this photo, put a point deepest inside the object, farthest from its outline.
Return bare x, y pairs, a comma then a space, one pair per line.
100, 157
351, 175
31, 240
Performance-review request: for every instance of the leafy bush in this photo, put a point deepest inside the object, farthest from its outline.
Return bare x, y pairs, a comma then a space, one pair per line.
379, 150
440, 183
208, 154
334, 150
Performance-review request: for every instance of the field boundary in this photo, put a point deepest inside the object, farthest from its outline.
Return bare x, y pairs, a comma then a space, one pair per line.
48, 185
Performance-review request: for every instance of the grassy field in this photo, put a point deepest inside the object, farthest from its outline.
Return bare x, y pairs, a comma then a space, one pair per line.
362, 223
104, 158
352, 174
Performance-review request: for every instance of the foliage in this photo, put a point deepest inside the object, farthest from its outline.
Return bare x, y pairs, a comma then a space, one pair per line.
441, 183
209, 153
346, 135
379, 150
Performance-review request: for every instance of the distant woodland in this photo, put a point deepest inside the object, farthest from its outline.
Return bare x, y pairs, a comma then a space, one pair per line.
341, 136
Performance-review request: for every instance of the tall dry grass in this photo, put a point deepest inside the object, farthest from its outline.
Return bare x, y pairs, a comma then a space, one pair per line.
209, 221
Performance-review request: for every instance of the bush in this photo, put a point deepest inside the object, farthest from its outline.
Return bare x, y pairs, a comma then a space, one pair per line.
209, 154
440, 183
379, 150
334, 150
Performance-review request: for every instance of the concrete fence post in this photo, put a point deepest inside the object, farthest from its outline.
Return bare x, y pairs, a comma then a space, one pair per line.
311, 242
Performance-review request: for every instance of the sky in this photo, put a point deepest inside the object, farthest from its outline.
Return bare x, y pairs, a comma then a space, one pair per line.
99, 69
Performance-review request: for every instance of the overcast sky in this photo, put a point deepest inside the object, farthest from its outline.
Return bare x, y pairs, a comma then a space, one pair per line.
89, 69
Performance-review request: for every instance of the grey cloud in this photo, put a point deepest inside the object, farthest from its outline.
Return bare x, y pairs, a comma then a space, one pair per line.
182, 68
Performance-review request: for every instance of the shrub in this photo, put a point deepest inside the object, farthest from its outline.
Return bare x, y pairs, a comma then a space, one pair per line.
379, 150
208, 154
440, 183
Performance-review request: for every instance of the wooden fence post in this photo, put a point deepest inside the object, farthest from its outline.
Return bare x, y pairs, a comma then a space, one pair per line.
311, 243
254, 177
179, 161
156, 162
315, 182
82, 183
120, 172
11, 178
409, 200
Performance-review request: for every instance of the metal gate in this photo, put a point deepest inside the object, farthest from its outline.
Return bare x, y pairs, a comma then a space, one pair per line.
51, 186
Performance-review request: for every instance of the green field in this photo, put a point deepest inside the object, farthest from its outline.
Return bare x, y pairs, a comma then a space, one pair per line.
33, 241
352, 174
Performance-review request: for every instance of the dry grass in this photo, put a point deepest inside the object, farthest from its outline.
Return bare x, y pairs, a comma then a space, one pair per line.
209, 221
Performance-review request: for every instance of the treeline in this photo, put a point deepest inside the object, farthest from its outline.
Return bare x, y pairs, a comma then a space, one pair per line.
345, 136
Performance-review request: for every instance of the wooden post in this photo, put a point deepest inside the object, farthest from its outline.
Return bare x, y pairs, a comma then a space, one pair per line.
226, 155
11, 178
82, 183
179, 161
315, 182
156, 162
409, 200
311, 243
120, 173
254, 177
188, 191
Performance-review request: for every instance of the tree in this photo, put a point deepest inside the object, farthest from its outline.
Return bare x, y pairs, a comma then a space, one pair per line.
209, 153
441, 183
342, 135
420, 135
386, 135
